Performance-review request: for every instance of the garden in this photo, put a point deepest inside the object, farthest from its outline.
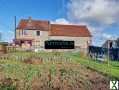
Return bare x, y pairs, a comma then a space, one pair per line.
55, 71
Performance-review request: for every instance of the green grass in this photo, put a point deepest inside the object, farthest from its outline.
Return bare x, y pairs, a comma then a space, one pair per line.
111, 70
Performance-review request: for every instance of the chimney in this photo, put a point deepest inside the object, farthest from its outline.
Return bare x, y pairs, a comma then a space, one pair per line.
29, 19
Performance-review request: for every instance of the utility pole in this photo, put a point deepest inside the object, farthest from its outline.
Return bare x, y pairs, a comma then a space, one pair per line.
15, 25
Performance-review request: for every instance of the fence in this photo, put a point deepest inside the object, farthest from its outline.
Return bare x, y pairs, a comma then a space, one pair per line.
11, 49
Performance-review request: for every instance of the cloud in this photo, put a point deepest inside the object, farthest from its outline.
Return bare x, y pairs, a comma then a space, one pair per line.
97, 15
107, 36
97, 11
61, 21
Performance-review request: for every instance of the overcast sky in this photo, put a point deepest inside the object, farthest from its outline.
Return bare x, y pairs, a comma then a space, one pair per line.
100, 16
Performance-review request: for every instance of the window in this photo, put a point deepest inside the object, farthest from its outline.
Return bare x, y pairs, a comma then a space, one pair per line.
38, 33
26, 32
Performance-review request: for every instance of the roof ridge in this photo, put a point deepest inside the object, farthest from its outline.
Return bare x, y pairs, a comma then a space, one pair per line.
70, 25
34, 20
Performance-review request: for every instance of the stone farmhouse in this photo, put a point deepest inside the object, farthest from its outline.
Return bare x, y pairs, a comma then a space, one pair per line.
33, 33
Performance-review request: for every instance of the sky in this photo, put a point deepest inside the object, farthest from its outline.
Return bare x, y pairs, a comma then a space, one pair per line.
100, 16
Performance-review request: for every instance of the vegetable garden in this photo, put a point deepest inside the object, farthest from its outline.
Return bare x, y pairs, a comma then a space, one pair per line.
53, 71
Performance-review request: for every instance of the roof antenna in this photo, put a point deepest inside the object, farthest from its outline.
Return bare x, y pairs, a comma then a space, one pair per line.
30, 19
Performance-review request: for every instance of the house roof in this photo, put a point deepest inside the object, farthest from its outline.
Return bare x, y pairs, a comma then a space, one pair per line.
33, 24
69, 30
54, 29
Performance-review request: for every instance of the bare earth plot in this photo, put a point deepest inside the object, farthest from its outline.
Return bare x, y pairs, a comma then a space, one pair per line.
37, 73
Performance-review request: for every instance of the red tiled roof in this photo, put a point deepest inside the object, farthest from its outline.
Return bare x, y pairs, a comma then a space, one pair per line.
54, 29
33, 24
69, 30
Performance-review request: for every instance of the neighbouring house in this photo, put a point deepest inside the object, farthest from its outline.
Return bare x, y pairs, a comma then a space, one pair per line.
33, 33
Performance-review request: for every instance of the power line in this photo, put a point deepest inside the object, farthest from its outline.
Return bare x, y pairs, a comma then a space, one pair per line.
15, 25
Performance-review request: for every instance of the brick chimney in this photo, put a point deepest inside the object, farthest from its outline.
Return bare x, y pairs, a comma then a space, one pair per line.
29, 19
